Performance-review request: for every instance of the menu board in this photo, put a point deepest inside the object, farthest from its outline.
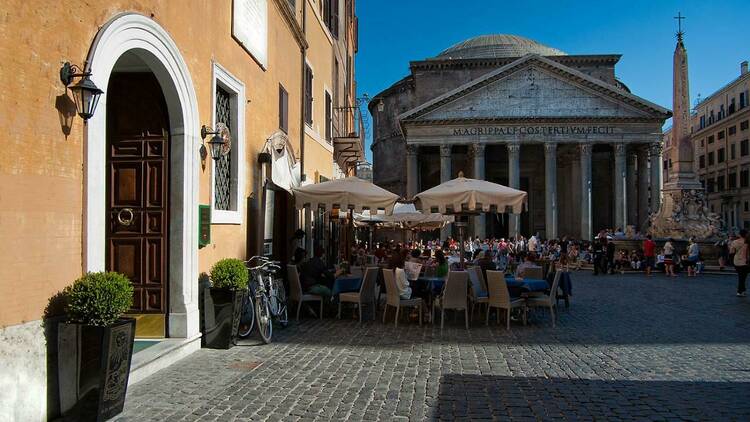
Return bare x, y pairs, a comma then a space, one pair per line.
250, 27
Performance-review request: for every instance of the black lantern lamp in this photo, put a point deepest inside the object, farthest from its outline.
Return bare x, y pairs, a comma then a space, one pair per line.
85, 93
219, 143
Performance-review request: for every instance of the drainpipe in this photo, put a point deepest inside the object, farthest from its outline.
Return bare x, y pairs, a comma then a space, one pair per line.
302, 97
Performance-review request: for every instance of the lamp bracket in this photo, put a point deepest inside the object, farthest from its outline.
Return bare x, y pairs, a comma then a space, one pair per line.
69, 71
205, 131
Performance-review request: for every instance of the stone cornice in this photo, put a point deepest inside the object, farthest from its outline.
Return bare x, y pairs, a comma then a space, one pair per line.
291, 21
535, 120
447, 63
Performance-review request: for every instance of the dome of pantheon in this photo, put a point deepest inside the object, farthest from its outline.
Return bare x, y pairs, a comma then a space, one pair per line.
497, 46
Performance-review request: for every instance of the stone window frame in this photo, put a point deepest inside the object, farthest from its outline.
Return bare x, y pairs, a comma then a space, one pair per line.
223, 78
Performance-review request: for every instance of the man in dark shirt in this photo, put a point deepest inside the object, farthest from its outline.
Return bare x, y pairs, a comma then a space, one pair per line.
315, 273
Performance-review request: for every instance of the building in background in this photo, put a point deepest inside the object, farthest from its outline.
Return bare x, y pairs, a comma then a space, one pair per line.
721, 140
511, 110
136, 188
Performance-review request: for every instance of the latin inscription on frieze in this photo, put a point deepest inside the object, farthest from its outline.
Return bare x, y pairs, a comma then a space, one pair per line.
535, 130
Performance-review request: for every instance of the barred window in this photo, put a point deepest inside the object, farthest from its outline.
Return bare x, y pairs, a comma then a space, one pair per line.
223, 169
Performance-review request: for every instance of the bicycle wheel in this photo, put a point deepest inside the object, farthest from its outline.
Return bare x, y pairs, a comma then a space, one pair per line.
247, 318
282, 316
263, 318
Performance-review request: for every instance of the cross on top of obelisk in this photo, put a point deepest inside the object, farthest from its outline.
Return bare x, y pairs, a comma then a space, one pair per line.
679, 18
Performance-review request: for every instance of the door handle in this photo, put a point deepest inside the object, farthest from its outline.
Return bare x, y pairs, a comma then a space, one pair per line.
126, 216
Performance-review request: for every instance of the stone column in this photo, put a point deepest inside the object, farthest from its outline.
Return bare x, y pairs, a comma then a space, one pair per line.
479, 174
412, 171
621, 211
550, 190
586, 192
632, 190
445, 175
655, 163
514, 181
643, 179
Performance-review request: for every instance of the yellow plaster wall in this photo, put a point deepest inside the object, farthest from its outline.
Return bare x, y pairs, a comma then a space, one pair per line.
41, 168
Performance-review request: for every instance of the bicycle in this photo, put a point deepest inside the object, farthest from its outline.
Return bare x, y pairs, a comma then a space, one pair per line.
270, 297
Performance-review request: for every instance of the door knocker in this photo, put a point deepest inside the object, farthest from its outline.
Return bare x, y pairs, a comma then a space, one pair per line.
126, 216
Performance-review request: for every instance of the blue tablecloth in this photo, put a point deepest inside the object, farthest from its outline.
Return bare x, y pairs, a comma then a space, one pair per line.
435, 283
346, 284
528, 284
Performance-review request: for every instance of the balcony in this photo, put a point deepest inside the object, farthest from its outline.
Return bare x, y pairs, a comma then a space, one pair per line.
348, 137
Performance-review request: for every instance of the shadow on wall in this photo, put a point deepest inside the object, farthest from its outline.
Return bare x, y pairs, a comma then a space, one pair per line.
66, 111
54, 314
482, 396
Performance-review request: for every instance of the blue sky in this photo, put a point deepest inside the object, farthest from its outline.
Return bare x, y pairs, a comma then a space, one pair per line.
393, 32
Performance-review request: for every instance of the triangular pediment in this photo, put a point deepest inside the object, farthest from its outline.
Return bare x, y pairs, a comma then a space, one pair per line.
535, 87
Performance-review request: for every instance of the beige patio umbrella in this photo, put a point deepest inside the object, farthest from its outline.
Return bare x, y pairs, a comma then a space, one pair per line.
462, 196
351, 193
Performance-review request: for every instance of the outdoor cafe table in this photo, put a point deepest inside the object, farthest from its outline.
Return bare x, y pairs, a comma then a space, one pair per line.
347, 283
528, 284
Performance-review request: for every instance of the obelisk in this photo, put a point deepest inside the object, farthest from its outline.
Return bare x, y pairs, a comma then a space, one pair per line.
683, 212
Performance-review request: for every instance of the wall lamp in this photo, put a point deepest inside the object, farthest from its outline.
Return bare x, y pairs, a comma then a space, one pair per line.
85, 93
220, 143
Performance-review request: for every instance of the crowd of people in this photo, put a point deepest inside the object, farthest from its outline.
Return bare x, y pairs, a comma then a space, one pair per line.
515, 254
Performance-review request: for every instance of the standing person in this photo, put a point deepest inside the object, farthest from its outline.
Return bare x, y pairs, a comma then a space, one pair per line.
669, 258
610, 257
693, 255
739, 248
649, 253
533, 244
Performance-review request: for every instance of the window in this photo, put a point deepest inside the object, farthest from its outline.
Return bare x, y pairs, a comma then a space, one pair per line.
746, 206
710, 185
331, 16
732, 152
666, 164
702, 161
703, 143
720, 184
711, 158
732, 180
329, 119
308, 95
743, 100
743, 125
711, 117
711, 139
721, 155
722, 114
744, 148
732, 130
228, 171
703, 121
731, 107
720, 135
744, 178
283, 109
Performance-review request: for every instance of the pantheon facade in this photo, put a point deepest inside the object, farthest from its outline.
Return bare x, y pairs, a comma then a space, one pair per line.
513, 111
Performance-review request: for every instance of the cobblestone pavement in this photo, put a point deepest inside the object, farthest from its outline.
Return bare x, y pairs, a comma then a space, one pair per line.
629, 348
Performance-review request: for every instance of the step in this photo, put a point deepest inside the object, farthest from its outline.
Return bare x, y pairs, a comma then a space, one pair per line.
166, 352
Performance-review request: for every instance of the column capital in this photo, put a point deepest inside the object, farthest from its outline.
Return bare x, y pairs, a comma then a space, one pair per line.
445, 151
655, 148
412, 149
513, 147
621, 149
586, 148
550, 147
478, 149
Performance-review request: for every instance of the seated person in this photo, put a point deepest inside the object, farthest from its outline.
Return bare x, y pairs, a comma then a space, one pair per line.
485, 263
441, 268
404, 289
317, 279
528, 262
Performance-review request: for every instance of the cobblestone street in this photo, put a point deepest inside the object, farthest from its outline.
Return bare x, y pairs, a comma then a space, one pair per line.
629, 348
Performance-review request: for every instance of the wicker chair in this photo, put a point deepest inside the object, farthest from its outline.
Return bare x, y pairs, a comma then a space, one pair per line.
547, 301
500, 298
295, 291
478, 291
393, 297
366, 293
454, 296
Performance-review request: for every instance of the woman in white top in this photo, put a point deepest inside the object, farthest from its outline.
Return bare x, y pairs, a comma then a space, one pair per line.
669, 258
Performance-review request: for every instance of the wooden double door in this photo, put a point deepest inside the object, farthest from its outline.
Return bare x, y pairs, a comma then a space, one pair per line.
138, 194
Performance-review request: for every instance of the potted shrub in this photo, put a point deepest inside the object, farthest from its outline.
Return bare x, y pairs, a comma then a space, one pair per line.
223, 303
95, 346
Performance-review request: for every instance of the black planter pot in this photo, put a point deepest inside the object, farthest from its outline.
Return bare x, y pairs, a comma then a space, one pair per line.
221, 317
93, 369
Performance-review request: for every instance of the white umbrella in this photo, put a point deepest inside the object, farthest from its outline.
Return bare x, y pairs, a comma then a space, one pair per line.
349, 193
462, 196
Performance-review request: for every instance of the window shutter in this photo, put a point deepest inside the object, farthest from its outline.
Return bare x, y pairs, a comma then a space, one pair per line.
308, 95
335, 18
283, 109
328, 117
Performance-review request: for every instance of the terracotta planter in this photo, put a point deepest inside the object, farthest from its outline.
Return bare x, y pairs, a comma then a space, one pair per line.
93, 368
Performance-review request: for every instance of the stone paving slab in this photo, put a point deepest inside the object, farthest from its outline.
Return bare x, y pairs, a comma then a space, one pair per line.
629, 348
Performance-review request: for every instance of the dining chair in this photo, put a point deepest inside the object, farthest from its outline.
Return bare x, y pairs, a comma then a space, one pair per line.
366, 293
547, 300
454, 296
478, 294
500, 298
295, 291
393, 298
